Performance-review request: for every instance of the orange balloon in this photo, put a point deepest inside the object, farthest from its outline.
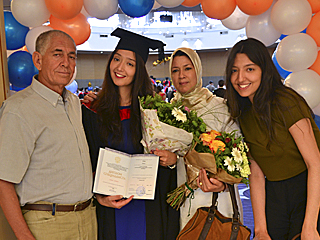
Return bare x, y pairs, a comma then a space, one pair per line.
78, 28
313, 28
64, 9
24, 48
316, 65
218, 9
315, 5
190, 3
254, 7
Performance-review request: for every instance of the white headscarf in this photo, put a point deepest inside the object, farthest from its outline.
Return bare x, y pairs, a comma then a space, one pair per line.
199, 96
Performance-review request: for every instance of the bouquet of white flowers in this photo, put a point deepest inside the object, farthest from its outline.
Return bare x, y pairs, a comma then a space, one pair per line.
167, 126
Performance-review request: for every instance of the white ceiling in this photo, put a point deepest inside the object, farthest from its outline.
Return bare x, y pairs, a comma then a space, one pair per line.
188, 28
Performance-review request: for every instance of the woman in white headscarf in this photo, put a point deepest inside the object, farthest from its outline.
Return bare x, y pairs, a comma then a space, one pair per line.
186, 73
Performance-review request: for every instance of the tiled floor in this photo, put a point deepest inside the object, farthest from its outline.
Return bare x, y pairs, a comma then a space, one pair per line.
247, 209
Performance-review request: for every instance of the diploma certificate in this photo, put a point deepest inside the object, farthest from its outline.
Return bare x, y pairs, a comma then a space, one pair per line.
119, 173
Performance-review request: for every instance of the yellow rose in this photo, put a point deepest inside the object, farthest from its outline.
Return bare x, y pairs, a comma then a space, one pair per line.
216, 144
214, 133
205, 138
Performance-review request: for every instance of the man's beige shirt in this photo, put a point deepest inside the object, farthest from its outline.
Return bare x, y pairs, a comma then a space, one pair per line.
43, 148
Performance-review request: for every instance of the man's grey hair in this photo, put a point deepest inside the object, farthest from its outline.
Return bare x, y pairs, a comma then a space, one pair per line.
44, 38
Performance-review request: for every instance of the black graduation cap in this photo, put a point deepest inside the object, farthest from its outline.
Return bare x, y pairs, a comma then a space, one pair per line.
138, 43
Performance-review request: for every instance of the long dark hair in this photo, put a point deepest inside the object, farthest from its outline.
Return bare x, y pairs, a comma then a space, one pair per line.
269, 91
108, 102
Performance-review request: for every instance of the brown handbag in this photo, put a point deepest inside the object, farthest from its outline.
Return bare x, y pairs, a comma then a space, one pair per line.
209, 223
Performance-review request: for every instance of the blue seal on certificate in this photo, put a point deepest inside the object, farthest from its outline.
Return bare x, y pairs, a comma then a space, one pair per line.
141, 191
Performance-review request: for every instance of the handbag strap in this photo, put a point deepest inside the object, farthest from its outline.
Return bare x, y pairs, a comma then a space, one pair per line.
210, 217
234, 202
207, 225
214, 201
235, 219
211, 214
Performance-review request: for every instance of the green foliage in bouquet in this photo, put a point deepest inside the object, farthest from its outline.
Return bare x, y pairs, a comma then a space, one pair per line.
175, 114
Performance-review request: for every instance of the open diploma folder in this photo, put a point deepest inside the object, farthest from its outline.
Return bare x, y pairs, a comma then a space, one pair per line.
119, 173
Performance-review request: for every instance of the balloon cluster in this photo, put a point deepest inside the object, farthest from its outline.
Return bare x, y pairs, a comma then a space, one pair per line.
25, 23
296, 56
291, 21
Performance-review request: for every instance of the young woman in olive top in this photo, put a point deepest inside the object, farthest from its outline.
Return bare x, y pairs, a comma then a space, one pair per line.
284, 141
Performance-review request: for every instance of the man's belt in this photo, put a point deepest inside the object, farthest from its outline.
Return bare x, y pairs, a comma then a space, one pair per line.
57, 207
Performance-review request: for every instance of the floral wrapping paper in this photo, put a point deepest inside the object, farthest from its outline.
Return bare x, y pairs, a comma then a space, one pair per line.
159, 135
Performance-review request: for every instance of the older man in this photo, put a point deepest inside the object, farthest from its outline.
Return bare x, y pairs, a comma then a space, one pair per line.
45, 169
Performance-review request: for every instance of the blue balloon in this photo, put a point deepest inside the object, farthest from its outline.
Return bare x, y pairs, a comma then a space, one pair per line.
15, 32
136, 8
72, 87
21, 69
317, 120
283, 73
14, 88
282, 36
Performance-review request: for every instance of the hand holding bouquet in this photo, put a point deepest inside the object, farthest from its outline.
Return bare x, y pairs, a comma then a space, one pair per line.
224, 157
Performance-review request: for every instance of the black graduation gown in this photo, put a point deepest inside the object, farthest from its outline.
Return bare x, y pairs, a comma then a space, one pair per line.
162, 221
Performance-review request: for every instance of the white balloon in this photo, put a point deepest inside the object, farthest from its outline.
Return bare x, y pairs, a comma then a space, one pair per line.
30, 13
291, 16
170, 3
316, 110
84, 12
156, 5
101, 9
32, 37
73, 76
297, 52
236, 20
307, 84
261, 28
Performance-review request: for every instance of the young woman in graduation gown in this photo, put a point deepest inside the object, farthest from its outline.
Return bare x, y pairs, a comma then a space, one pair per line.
114, 122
